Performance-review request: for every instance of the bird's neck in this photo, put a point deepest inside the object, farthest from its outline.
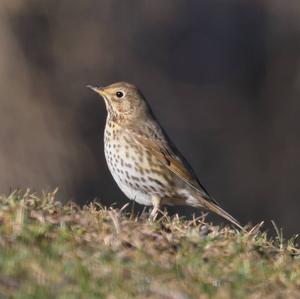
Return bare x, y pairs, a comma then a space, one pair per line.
125, 119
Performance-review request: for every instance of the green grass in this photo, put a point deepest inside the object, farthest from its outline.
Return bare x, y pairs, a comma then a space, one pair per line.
51, 250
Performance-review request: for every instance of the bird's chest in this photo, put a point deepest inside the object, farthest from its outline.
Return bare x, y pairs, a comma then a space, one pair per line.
118, 155
125, 162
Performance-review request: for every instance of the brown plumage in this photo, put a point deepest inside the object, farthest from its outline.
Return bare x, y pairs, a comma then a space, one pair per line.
143, 161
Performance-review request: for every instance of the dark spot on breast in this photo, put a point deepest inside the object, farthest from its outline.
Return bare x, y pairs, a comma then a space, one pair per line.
155, 181
135, 178
145, 187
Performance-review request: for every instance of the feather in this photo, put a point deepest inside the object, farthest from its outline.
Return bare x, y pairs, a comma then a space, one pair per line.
160, 149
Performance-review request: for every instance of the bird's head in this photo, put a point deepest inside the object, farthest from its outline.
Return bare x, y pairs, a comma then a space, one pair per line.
123, 101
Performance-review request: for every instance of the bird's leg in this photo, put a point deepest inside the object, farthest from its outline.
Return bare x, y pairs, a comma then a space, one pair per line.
156, 206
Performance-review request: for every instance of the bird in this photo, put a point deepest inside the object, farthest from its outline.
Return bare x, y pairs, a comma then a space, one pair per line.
144, 162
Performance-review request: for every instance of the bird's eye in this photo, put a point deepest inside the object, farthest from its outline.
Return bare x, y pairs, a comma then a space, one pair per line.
119, 94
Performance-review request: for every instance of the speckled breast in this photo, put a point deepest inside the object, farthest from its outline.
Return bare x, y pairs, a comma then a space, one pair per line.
135, 171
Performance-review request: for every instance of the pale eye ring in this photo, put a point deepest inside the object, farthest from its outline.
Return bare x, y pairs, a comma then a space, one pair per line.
119, 94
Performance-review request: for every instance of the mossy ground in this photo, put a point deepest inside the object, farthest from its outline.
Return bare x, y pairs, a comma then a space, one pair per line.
54, 250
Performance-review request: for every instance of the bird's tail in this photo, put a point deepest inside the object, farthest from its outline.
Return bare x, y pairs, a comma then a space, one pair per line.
211, 206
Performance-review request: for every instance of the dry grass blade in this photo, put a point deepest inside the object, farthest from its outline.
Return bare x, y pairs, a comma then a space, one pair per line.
49, 250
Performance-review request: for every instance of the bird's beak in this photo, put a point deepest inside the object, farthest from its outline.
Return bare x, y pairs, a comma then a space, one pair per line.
99, 90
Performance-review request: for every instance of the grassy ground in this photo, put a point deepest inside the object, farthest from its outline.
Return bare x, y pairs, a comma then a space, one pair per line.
50, 250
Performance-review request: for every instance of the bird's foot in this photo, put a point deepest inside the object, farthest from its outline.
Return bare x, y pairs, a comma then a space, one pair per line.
156, 206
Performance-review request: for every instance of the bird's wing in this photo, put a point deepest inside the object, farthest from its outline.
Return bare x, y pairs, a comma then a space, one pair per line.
159, 148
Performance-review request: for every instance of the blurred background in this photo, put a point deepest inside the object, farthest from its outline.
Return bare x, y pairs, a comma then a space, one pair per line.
223, 78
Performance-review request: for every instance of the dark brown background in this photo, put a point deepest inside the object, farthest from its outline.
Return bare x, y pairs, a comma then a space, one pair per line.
223, 77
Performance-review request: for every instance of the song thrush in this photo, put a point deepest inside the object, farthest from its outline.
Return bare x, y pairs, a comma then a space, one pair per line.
143, 161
